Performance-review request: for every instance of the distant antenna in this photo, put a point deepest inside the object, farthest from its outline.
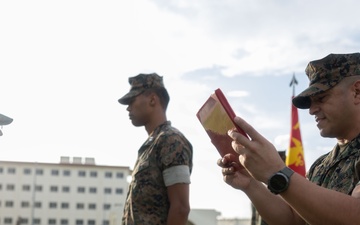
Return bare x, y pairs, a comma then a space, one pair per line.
293, 83
4, 120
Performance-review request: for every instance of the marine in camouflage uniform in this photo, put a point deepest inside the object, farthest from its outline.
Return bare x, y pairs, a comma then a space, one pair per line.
163, 160
333, 98
339, 169
147, 201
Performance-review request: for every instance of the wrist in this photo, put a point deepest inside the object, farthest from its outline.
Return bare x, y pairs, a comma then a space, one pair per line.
253, 185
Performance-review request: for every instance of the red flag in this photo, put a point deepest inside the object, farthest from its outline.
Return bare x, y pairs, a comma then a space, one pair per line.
295, 155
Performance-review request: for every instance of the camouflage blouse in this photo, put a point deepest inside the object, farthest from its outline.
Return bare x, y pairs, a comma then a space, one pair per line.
339, 169
147, 201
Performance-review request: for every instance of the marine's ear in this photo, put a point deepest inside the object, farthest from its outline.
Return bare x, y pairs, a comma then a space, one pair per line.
356, 91
153, 99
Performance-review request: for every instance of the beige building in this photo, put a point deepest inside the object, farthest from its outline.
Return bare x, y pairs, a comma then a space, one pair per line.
235, 221
75, 191
68, 193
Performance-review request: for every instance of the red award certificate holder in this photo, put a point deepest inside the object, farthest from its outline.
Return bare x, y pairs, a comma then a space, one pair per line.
217, 118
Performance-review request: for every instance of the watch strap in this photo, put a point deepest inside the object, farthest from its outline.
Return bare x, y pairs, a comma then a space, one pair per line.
287, 171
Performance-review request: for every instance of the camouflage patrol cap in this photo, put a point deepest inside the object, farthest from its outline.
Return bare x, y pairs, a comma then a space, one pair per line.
325, 73
139, 84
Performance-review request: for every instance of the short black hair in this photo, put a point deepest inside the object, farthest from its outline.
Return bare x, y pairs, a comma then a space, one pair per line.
162, 93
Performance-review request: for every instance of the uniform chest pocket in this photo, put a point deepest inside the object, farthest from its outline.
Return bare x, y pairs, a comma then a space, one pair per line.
141, 167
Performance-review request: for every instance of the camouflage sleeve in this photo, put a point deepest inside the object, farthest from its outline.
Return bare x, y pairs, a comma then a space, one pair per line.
175, 150
357, 171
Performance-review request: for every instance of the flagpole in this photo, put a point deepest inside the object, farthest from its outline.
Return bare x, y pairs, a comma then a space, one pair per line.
293, 83
295, 155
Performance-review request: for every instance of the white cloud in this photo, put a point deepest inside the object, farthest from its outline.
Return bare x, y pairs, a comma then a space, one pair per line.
63, 65
282, 142
238, 93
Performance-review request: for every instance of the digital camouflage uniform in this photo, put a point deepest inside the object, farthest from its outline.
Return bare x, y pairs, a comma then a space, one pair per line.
147, 200
338, 170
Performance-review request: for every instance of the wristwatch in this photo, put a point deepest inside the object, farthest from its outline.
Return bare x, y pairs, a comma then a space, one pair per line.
279, 182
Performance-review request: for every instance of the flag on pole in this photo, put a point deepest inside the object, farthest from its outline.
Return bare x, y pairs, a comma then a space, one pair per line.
295, 155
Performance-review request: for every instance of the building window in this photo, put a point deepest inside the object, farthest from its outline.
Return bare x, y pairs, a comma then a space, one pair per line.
27, 171
66, 189
107, 206
82, 173
93, 174
1, 170
64, 205
38, 188
119, 191
120, 175
26, 187
108, 174
37, 204
8, 220
52, 205
64, 222
0, 187
106, 222
51, 221
36, 221
53, 188
10, 187
81, 190
80, 205
107, 190
79, 222
66, 173
9, 204
24, 220
39, 172
11, 170
55, 172
92, 206
91, 222
25, 204
92, 190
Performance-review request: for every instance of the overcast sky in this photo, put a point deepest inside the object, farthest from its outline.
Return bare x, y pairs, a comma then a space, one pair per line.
64, 64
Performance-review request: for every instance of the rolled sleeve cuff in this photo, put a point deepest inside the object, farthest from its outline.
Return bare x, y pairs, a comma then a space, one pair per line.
176, 174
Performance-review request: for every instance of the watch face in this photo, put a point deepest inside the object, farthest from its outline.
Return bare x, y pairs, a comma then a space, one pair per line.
278, 182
